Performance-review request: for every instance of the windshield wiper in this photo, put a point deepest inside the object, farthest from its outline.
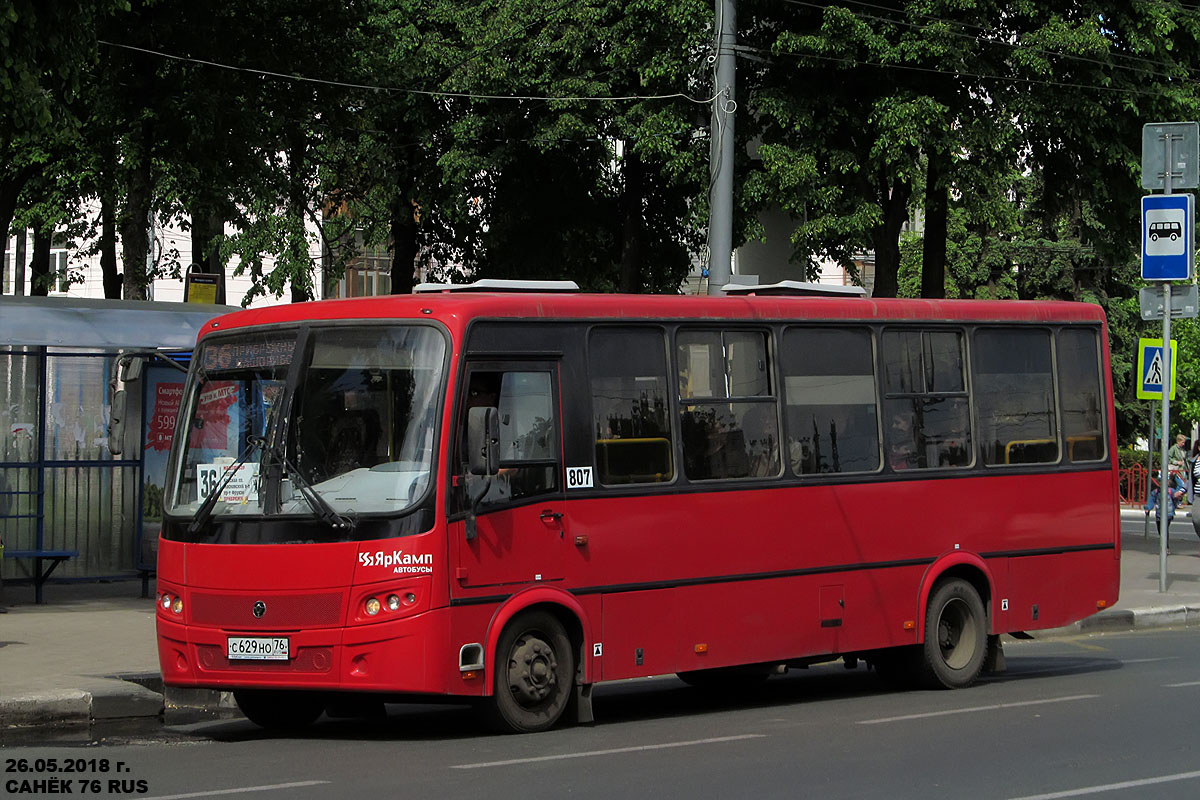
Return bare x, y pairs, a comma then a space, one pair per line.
316, 502
201, 517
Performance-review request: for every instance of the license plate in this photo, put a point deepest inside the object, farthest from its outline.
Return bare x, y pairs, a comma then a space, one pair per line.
258, 648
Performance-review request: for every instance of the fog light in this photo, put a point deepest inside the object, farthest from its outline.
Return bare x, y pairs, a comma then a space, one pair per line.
166, 601
393, 602
409, 599
177, 606
372, 606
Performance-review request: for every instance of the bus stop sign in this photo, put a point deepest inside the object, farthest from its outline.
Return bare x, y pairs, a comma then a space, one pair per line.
1167, 224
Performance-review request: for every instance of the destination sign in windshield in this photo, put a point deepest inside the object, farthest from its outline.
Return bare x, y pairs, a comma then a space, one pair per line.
251, 354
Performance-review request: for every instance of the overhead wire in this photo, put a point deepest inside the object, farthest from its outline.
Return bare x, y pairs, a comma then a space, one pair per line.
404, 90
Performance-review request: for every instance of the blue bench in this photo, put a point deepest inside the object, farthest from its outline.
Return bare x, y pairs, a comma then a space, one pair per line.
55, 557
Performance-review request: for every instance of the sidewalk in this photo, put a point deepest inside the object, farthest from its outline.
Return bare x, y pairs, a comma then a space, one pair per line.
88, 655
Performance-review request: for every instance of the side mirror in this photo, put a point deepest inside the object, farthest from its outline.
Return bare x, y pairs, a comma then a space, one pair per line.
116, 424
132, 368
483, 441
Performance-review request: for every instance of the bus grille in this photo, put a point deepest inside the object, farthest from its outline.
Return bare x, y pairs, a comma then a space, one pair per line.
283, 612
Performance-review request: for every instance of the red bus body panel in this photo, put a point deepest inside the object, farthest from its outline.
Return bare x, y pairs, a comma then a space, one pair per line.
653, 582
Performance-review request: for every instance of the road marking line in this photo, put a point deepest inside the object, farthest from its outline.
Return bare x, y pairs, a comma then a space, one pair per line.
214, 792
614, 751
1112, 787
978, 708
1181, 685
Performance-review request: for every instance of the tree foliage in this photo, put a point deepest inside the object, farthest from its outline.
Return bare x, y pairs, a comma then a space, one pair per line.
976, 148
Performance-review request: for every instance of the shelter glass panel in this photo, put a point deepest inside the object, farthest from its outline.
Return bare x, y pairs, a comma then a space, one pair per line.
19, 400
77, 408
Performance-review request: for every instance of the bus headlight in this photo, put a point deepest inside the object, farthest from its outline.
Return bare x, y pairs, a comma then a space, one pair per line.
177, 605
372, 606
166, 601
393, 602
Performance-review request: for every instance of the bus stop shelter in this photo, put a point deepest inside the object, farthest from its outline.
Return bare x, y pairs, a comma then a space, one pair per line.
62, 490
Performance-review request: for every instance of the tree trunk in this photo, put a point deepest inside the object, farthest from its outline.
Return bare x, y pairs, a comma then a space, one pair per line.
886, 237
207, 225
404, 243
108, 250
19, 252
630, 276
301, 268
933, 252
135, 220
41, 279
10, 191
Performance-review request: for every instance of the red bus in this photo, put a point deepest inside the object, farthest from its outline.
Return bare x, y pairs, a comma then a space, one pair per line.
512, 496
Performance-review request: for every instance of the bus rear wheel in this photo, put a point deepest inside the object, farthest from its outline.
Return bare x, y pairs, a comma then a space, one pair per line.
281, 711
534, 675
955, 636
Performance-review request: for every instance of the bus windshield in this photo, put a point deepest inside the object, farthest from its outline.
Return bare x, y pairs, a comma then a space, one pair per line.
353, 425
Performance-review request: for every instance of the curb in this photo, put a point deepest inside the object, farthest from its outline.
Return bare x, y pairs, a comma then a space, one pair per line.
72, 708
1119, 619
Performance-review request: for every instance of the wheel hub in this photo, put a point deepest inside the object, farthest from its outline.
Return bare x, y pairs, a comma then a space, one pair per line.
532, 670
955, 630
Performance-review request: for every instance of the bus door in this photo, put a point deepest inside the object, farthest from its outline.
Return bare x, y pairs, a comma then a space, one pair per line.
519, 535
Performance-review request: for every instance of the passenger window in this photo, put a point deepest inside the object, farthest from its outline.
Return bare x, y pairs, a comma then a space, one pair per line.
528, 434
1082, 391
829, 391
1014, 396
729, 419
630, 417
925, 400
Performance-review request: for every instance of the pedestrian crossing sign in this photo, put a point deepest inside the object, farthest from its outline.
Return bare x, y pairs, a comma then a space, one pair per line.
1150, 368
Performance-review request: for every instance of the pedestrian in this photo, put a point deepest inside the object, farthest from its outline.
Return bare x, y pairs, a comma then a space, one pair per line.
1195, 471
1177, 455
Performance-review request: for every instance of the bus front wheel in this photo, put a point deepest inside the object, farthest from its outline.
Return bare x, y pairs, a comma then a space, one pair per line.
955, 636
534, 674
279, 710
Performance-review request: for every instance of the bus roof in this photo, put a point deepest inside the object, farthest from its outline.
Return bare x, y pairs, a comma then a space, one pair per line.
457, 309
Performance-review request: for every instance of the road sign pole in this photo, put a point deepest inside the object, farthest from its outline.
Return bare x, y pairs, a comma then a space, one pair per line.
1164, 467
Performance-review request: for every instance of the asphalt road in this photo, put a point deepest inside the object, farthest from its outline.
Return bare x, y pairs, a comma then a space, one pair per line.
1112, 716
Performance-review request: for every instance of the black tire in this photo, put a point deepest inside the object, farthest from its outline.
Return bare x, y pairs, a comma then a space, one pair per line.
281, 711
534, 674
955, 636
726, 678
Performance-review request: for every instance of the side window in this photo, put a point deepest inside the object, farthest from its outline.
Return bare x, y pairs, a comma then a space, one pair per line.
630, 406
1082, 391
729, 418
1014, 396
925, 399
829, 390
528, 434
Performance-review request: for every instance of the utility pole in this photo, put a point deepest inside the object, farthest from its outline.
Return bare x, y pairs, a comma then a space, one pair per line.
720, 164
